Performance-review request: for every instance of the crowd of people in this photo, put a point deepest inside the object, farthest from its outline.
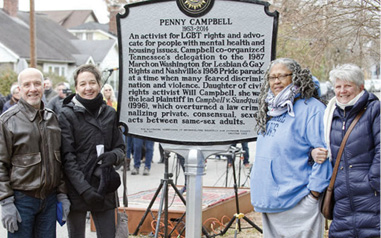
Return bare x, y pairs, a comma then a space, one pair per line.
66, 147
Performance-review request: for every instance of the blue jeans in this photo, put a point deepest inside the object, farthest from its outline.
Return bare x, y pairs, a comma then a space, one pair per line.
128, 141
138, 146
38, 216
129, 147
104, 223
245, 147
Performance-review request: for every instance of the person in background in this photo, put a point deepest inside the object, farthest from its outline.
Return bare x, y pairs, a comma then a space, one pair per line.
31, 180
15, 92
245, 155
285, 183
109, 96
245, 147
92, 145
55, 103
49, 92
129, 151
138, 146
356, 212
3, 99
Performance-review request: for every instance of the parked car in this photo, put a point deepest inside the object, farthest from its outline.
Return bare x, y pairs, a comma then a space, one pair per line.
377, 85
369, 86
373, 85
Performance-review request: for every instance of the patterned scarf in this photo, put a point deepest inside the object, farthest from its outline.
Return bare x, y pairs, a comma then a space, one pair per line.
283, 102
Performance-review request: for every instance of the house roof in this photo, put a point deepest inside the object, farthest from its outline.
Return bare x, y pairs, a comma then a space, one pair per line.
92, 26
52, 40
98, 49
70, 18
82, 59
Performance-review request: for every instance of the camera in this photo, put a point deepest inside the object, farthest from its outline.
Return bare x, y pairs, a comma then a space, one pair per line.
67, 91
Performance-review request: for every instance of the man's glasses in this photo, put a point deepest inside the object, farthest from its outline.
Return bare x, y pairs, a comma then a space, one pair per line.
281, 77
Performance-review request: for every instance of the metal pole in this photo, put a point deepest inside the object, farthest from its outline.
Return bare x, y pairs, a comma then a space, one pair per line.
194, 169
163, 196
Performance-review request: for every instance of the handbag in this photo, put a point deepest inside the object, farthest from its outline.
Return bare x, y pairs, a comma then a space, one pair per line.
122, 218
328, 201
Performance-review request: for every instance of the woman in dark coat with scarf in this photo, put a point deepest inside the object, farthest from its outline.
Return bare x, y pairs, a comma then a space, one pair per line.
91, 145
356, 211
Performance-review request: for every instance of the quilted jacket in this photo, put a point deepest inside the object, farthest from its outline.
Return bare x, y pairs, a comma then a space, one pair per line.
357, 186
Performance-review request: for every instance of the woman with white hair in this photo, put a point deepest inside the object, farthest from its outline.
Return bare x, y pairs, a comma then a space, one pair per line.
109, 96
285, 183
356, 211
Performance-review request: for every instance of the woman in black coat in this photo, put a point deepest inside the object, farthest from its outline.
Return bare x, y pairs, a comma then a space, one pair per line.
356, 211
91, 145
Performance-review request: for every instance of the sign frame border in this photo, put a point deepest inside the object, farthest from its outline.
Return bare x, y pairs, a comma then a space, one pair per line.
120, 16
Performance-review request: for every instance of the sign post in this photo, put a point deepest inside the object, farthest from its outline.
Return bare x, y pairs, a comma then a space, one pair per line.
190, 77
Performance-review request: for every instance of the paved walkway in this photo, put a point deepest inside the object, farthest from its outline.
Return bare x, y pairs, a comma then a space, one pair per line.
215, 176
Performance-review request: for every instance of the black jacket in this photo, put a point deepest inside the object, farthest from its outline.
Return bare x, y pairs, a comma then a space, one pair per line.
55, 104
81, 133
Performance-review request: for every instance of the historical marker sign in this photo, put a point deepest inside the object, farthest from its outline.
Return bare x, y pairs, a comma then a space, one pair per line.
189, 76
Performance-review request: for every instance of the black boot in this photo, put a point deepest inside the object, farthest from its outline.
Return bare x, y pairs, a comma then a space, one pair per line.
128, 164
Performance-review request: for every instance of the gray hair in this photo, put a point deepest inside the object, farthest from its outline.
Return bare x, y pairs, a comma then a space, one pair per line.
300, 77
13, 88
347, 72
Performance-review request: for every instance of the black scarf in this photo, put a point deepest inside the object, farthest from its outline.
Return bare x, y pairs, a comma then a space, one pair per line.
92, 105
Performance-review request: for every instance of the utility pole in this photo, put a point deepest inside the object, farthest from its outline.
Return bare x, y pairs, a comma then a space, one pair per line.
32, 31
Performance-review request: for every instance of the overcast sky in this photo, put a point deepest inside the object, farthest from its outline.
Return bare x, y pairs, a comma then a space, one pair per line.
98, 6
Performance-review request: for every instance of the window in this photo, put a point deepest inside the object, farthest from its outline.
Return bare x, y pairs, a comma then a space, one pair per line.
89, 36
79, 35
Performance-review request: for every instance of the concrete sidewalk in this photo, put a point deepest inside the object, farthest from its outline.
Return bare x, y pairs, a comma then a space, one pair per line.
215, 175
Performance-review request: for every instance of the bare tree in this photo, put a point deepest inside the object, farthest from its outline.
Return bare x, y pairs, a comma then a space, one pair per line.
115, 2
323, 33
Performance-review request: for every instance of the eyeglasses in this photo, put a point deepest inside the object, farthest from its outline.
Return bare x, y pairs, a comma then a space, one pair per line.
281, 77
106, 90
